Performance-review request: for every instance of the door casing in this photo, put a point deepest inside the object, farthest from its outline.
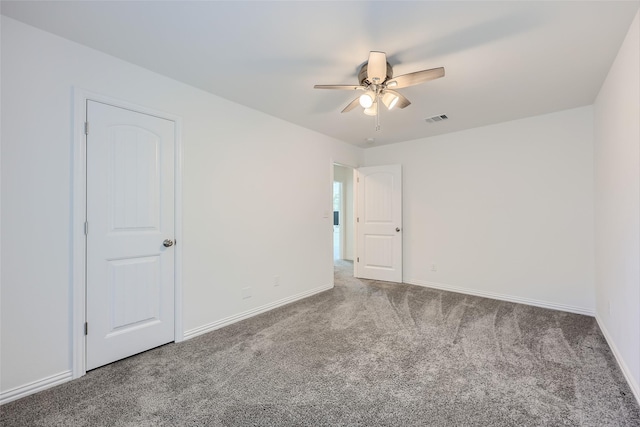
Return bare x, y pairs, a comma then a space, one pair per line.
78, 218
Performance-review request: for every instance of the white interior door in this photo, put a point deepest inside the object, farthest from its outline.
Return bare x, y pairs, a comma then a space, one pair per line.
130, 214
379, 223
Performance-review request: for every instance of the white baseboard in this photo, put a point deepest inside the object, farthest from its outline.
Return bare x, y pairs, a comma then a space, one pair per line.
62, 377
250, 313
633, 384
34, 387
502, 297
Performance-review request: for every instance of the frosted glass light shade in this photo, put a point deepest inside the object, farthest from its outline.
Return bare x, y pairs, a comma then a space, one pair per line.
366, 100
372, 111
390, 100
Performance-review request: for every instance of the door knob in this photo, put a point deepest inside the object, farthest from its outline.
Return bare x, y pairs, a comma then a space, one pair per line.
167, 243
397, 229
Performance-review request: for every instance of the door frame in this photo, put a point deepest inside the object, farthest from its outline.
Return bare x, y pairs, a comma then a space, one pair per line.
78, 218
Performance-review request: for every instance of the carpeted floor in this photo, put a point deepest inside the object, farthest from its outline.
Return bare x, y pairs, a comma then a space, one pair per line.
364, 353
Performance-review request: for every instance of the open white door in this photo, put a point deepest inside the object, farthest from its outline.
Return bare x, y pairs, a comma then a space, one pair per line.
130, 229
379, 223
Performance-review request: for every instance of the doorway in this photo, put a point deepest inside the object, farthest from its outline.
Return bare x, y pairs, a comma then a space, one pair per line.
127, 219
130, 233
343, 214
379, 231
338, 222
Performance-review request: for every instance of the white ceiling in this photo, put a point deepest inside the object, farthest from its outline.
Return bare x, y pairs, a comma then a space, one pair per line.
503, 60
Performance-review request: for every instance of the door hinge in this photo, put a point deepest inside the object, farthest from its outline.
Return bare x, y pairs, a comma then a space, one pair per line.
86, 228
358, 259
86, 128
86, 328
358, 219
358, 179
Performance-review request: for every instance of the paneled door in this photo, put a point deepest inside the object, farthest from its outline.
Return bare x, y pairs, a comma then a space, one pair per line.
130, 233
379, 223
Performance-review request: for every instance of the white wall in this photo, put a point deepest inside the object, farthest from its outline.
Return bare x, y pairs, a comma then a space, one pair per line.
345, 176
245, 219
503, 211
617, 206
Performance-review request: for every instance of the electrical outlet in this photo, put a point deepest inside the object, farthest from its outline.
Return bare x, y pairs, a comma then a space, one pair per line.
276, 281
434, 267
246, 292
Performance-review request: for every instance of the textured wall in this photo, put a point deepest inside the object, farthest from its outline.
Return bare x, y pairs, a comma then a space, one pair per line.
503, 210
245, 219
617, 203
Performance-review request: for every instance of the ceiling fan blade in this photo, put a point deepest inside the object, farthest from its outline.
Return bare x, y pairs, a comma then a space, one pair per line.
411, 79
402, 101
339, 87
353, 104
377, 67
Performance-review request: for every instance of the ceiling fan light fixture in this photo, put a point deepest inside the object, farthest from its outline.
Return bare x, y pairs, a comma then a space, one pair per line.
390, 100
377, 81
366, 100
372, 110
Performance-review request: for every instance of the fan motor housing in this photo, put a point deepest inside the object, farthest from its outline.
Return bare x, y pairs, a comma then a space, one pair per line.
362, 75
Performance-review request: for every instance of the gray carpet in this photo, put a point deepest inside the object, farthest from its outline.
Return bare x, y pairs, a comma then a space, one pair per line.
365, 353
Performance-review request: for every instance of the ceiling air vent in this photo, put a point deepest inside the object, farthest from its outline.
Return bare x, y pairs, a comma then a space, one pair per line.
435, 119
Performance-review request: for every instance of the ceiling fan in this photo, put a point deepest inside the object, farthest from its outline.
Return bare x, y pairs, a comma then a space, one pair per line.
377, 81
